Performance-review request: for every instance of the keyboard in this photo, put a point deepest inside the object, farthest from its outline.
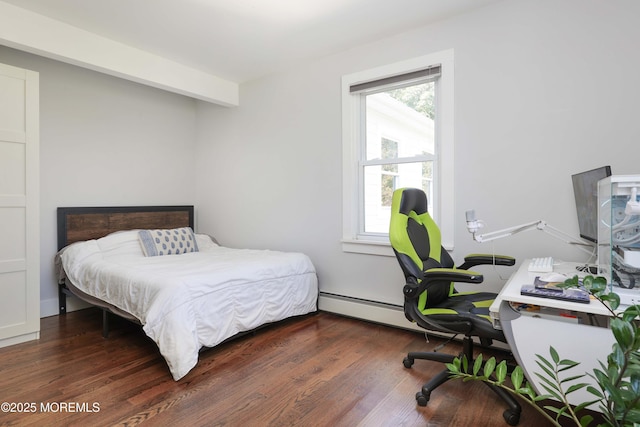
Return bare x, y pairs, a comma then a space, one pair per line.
541, 265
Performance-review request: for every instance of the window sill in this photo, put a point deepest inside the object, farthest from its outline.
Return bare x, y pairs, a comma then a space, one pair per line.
370, 247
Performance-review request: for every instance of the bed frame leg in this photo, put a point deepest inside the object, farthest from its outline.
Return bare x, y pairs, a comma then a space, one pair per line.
62, 299
105, 323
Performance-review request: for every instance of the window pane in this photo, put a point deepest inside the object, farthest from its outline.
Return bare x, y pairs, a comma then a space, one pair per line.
399, 125
402, 115
379, 183
386, 127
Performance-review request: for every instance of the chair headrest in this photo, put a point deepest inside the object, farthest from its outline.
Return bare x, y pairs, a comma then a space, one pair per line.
413, 199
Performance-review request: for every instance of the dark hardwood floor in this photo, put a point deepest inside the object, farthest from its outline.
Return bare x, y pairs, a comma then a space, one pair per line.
317, 370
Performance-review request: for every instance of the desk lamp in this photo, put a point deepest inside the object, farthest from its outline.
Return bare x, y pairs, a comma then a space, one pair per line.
474, 225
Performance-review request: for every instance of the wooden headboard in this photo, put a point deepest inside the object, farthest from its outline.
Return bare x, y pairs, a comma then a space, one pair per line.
85, 223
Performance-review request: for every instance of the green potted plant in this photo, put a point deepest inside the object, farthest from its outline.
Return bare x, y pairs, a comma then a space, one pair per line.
618, 393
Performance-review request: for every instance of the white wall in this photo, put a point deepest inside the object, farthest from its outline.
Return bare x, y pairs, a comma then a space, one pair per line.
543, 89
105, 141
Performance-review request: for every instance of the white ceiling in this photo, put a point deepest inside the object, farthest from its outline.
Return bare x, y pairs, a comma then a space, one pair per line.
240, 40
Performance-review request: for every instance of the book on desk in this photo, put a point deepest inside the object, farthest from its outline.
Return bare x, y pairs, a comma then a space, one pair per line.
543, 289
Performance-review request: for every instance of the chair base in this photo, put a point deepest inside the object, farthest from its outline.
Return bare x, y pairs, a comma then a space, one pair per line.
511, 415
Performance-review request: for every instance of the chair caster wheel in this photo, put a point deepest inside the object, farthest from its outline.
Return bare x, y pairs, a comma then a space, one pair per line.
421, 399
408, 363
511, 417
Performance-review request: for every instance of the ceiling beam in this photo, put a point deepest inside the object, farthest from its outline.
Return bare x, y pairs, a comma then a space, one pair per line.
40, 35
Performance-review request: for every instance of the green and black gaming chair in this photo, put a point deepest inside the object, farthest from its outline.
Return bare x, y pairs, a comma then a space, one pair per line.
430, 298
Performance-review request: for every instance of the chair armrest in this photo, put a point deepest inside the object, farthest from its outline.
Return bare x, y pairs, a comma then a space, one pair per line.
413, 289
452, 275
487, 259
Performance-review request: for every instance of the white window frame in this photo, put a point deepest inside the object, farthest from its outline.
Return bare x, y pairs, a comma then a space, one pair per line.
352, 239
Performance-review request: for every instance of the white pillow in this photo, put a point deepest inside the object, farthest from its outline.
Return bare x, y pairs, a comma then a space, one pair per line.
205, 242
173, 241
120, 244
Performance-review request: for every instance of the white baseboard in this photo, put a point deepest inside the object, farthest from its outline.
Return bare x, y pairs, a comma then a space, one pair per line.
49, 307
366, 310
19, 339
379, 313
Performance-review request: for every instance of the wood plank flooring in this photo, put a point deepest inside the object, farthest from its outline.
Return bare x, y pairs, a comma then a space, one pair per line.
317, 370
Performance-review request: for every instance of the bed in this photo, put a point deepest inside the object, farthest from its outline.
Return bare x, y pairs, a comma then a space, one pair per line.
117, 258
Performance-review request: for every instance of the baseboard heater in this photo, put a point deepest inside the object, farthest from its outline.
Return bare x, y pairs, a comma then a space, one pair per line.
377, 312
373, 311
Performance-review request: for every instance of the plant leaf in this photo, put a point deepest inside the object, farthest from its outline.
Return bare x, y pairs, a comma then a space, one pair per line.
517, 377
586, 420
575, 377
548, 371
595, 392
552, 392
631, 313
541, 360
623, 332
489, 367
613, 299
548, 381
501, 371
477, 365
575, 387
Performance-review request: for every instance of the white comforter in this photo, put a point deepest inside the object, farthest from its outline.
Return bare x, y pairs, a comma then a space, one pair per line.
188, 301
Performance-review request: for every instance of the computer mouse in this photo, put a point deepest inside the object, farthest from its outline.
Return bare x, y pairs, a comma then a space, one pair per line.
553, 277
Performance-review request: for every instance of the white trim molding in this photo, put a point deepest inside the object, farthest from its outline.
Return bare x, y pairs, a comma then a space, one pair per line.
40, 35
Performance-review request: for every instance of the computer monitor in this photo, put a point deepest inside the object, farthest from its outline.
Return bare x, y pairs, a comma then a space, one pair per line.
585, 191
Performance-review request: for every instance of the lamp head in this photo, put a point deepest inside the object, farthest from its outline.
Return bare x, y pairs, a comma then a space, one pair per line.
473, 224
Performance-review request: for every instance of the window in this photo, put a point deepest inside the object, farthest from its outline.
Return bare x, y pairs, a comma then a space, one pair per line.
397, 132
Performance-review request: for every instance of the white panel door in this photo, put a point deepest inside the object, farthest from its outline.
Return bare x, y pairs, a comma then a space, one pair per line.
19, 206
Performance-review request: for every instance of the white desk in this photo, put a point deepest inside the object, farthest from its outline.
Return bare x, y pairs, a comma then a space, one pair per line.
534, 332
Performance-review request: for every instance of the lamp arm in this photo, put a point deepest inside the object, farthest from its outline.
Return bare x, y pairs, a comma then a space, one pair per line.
474, 225
506, 232
561, 235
